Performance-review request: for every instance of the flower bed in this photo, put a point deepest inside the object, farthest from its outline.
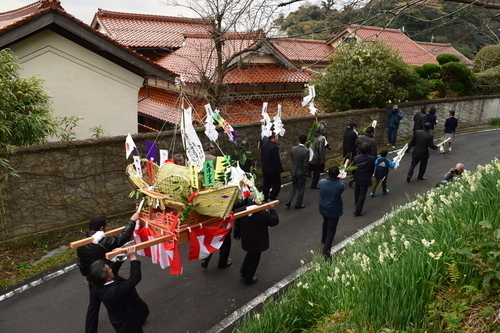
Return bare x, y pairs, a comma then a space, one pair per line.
394, 277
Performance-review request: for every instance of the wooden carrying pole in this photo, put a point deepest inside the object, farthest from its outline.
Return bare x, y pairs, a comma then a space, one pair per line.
113, 232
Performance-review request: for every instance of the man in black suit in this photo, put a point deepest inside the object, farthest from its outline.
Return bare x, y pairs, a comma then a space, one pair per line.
96, 250
300, 164
362, 176
422, 140
253, 232
127, 312
271, 168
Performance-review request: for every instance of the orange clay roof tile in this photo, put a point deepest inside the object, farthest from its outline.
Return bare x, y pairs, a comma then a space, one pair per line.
138, 30
438, 48
265, 74
410, 51
303, 49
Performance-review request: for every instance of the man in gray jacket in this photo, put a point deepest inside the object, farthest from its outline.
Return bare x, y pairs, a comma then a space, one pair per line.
368, 139
300, 165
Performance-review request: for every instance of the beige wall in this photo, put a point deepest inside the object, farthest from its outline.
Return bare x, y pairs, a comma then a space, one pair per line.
82, 83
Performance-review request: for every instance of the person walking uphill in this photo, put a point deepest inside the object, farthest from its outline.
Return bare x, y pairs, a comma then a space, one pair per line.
369, 139
96, 250
127, 312
330, 206
271, 168
422, 140
317, 163
253, 232
419, 119
394, 117
300, 165
362, 177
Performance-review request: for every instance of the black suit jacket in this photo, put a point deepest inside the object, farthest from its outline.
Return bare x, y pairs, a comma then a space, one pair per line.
422, 140
253, 230
300, 160
271, 162
363, 174
127, 312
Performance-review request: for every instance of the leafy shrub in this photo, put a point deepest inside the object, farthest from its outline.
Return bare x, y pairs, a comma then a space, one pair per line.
428, 71
486, 58
436, 84
453, 73
487, 82
446, 58
367, 74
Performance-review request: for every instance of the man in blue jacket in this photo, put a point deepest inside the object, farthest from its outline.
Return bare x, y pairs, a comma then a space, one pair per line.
330, 206
394, 117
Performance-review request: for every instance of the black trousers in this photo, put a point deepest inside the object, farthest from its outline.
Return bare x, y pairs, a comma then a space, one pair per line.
421, 169
359, 197
249, 266
317, 169
92, 317
271, 185
329, 231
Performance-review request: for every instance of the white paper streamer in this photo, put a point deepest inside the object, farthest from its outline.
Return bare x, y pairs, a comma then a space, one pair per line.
191, 141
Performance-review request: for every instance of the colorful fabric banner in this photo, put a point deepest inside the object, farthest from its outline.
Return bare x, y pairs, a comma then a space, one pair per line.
206, 240
165, 254
151, 151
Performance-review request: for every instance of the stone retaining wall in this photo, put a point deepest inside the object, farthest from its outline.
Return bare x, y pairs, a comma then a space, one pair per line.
63, 184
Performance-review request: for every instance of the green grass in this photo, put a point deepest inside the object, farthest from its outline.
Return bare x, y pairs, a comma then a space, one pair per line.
495, 121
423, 270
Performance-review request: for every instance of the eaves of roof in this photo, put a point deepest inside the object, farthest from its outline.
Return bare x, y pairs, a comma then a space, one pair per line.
165, 105
66, 25
265, 74
304, 50
439, 48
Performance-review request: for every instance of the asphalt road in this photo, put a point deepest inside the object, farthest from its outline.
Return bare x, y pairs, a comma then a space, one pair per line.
198, 300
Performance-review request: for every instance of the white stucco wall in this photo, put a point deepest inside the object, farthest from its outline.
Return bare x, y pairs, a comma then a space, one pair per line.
82, 83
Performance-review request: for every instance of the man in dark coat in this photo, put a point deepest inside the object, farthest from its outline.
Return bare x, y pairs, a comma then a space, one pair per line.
253, 232
349, 149
89, 253
271, 168
422, 140
394, 117
330, 206
362, 177
369, 139
419, 119
317, 163
300, 165
127, 312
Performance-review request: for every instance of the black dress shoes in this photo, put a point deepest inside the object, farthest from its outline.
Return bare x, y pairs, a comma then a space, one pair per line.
204, 263
408, 179
358, 214
249, 283
423, 178
288, 203
226, 264
300, 207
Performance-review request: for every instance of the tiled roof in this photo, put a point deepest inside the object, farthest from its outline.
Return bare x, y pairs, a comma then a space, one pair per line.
160, 104
165, 105
139, 30
111, 49
303, 49
410, 51
438, 48
262, 74
198, 55
13, 16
